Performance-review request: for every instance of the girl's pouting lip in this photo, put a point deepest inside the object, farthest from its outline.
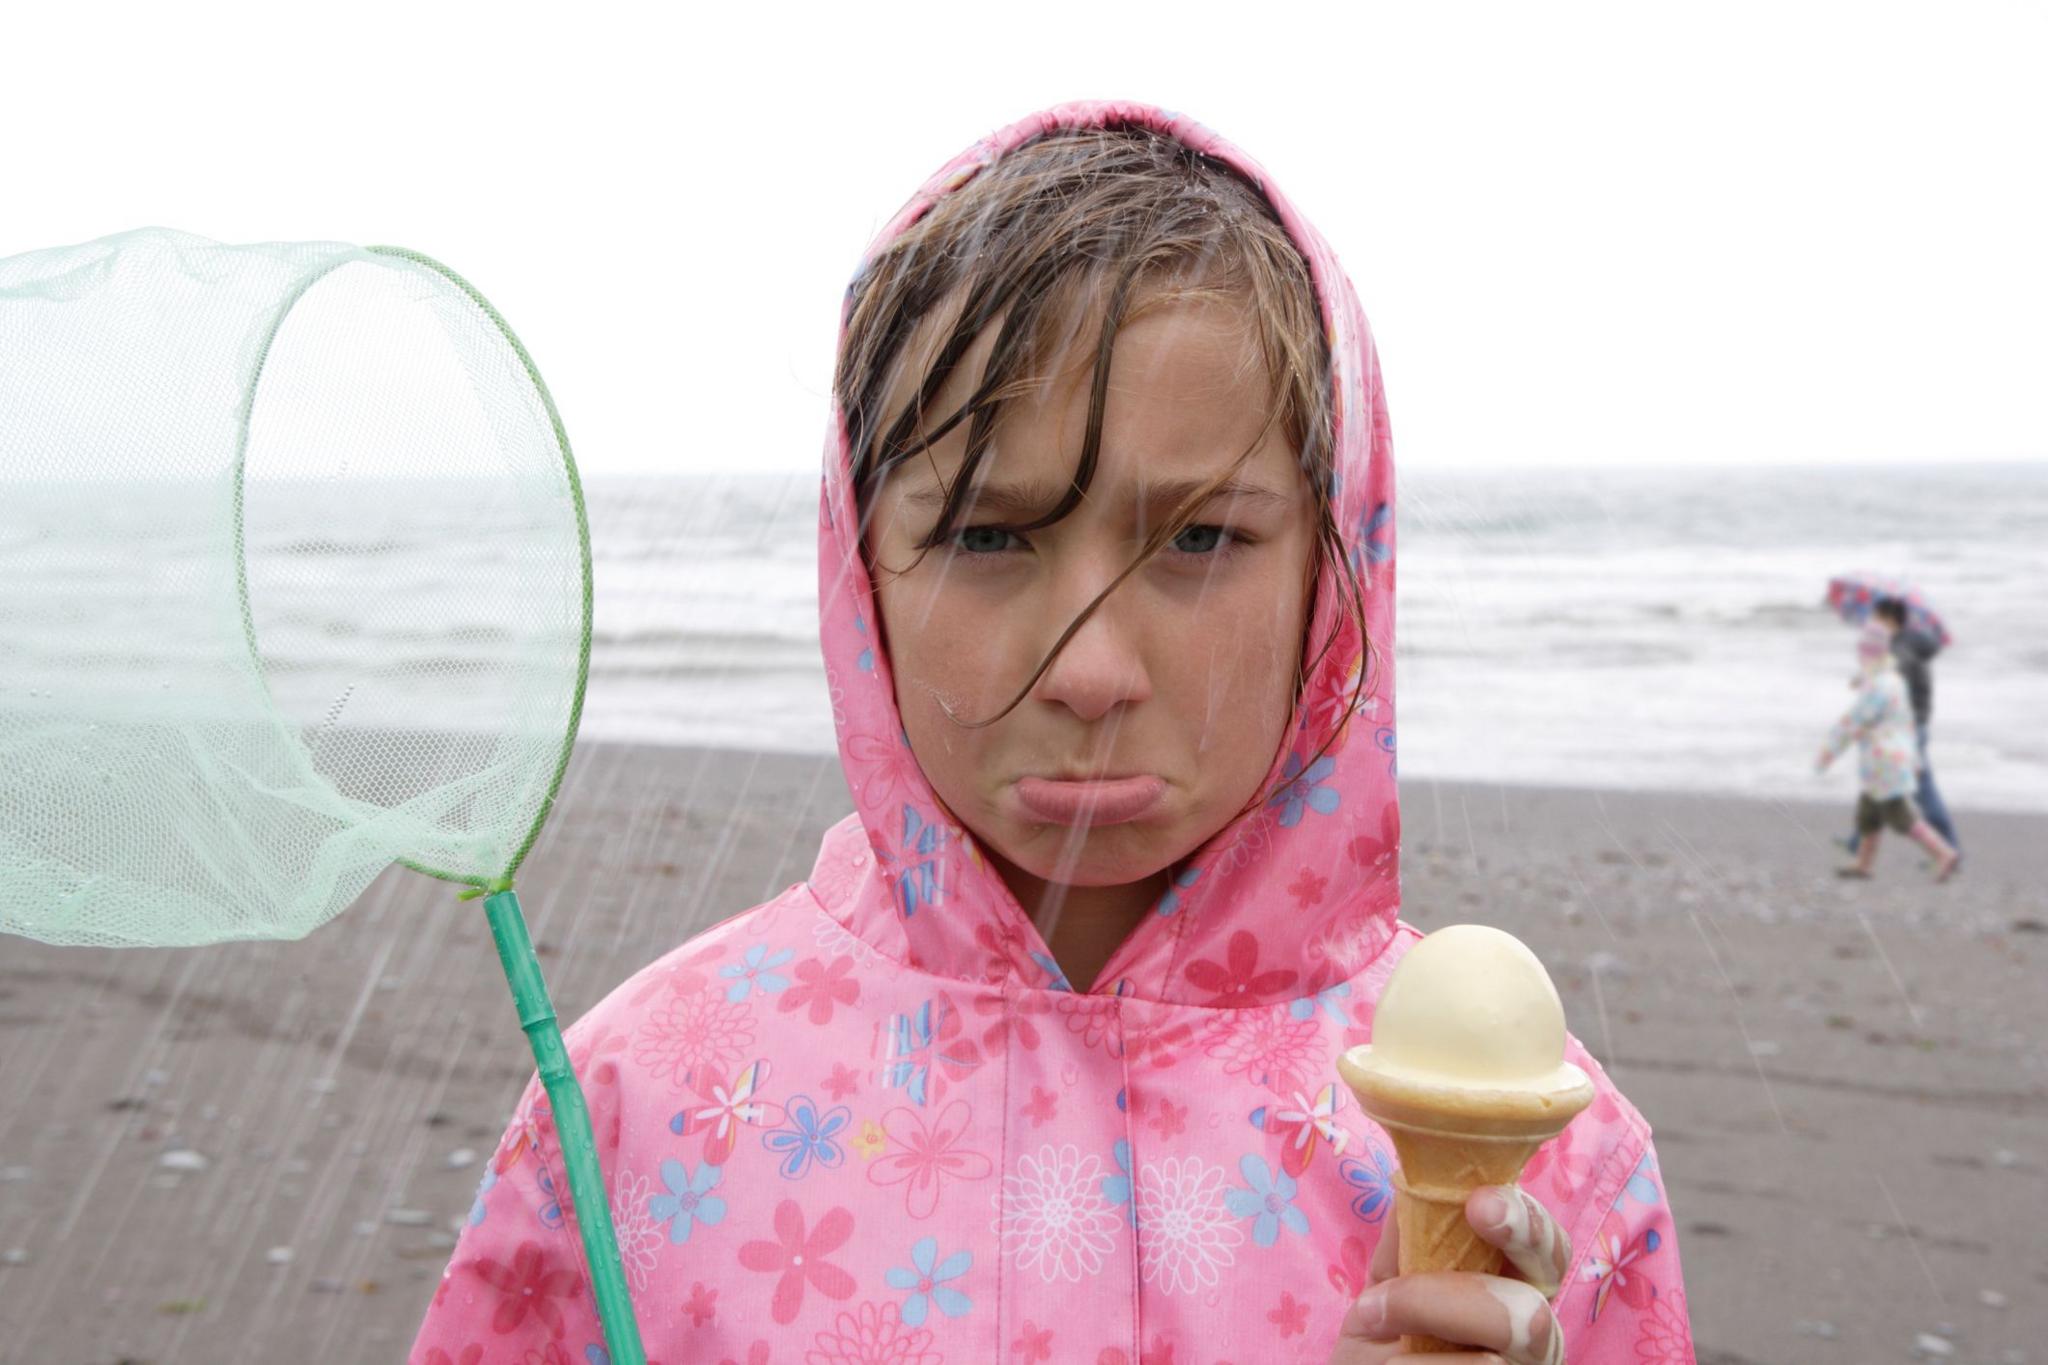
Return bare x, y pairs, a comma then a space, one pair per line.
1104, 802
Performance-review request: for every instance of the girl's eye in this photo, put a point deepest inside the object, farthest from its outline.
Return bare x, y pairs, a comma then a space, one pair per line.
965, 539
1204, 537
1197, 543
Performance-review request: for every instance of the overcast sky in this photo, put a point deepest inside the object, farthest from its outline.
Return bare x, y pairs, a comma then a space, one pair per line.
1585, 234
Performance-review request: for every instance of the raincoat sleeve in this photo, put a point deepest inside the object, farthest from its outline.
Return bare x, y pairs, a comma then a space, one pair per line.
1861, 717
1623, 1302
515, 1285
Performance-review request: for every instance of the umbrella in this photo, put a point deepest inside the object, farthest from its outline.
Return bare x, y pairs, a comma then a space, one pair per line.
1853, 595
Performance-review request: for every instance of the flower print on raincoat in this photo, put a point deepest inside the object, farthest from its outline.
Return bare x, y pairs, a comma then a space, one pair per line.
966, 1159
1879, 722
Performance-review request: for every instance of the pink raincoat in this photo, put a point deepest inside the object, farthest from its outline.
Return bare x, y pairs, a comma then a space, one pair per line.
869, 1121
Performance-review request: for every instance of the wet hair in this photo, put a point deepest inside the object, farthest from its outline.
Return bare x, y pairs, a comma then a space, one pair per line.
1058, 244
1889, 609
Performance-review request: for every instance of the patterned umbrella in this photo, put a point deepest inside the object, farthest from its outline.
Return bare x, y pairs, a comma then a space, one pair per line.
1853, 595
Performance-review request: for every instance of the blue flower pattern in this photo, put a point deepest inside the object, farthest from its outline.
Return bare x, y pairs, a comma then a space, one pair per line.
1640, 1186
809, 1138
867, 655
1268, 1202
1330, 1000
754, 972
1373, 1175
478, 1210
1304, 790
1169, 904
1117, 1188
551, 1210
928, 1282
689, 1200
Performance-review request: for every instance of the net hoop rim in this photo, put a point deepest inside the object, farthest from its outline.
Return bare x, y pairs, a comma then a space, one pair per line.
502, 881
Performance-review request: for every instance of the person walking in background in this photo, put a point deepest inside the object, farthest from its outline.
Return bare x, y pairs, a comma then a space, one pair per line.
1914, 650
1880, 723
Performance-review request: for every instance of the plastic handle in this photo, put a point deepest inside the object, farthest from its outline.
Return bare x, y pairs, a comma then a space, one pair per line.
572, 1128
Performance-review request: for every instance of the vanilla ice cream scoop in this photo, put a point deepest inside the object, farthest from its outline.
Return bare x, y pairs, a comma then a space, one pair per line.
1471, 1007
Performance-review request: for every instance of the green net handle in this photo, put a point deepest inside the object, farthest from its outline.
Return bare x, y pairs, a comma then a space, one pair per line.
572, 1127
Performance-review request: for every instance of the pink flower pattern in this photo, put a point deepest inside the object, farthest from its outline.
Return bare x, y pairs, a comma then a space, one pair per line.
1270, 1048
691, 1030
923, 1157
798, 1257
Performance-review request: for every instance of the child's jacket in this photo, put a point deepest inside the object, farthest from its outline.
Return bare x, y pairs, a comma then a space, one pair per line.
1880, 724
869, 1122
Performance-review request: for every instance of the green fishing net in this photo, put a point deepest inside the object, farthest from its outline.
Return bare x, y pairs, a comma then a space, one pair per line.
294, 584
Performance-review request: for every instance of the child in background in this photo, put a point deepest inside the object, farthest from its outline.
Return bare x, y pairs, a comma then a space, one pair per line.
1880, 723
1038, 1065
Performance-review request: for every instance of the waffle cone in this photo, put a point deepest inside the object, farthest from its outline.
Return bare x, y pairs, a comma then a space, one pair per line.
1451, 1141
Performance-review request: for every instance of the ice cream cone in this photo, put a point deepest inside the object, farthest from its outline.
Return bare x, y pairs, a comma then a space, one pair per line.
1449, 1143
1466, 1073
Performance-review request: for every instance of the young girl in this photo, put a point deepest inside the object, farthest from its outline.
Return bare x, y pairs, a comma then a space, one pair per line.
1038, 1064
1880, 724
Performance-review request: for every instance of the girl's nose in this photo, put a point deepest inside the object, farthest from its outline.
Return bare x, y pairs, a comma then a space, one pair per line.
1103, 664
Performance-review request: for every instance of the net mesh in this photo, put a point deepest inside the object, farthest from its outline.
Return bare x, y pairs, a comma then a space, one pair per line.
294, 584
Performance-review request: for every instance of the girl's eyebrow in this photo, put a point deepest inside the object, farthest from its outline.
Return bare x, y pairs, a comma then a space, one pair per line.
1161, 496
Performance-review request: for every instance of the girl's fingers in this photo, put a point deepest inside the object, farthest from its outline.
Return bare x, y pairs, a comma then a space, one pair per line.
1525, 1232
1485, 1312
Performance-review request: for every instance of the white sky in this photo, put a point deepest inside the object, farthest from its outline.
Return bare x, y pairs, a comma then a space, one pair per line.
1585, 234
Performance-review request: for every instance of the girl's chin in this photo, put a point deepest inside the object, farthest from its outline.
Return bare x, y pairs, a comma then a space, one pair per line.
1089, 855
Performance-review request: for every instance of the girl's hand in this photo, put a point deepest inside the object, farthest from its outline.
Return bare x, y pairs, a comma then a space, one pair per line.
1509, 1318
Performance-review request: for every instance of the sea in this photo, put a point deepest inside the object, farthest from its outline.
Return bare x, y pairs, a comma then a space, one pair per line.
1640, 628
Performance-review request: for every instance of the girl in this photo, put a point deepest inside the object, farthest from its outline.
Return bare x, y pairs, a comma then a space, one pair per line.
1037, 1065
1880, 724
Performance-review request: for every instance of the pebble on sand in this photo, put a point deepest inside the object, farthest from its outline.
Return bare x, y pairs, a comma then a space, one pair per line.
278, 1255
1991, 1298
1928, 1344
183, 1159
461, 1157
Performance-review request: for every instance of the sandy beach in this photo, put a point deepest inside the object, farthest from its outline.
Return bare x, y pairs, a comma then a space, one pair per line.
258, 1152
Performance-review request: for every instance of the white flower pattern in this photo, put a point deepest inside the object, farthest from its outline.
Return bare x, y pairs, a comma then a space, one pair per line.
1052, 1216
639, 1236
1186, 1234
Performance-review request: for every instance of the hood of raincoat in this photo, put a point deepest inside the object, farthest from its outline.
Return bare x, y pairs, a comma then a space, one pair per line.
867, 1121
1303, 890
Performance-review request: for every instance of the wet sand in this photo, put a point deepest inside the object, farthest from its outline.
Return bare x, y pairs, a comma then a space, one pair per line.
258, 1152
